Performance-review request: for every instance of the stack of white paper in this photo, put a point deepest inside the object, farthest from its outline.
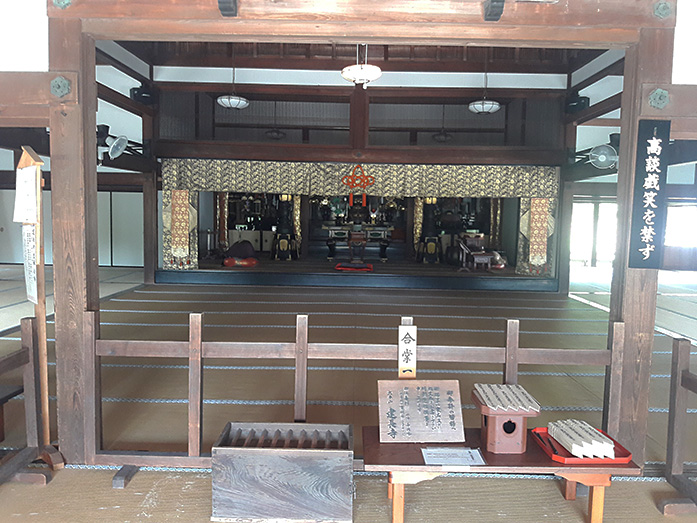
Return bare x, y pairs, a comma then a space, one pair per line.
581, 439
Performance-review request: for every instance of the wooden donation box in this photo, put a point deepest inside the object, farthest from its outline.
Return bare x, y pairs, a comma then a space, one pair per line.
283, 472
505, 409
420, 411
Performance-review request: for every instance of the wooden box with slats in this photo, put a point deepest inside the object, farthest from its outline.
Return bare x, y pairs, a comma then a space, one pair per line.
283, 472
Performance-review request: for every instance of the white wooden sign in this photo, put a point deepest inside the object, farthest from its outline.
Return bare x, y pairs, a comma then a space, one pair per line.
407, 351
420, 411
26, 210
30, 253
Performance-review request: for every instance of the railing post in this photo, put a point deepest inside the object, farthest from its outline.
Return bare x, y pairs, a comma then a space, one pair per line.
510, 365
32, 388
613, 380
93, 388
195, 383
300, 410
677, 411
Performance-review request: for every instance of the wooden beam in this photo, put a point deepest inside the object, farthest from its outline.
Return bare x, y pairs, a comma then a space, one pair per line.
584, 171
479, 155
34, 88
521, 14
73, 142
130, 162
15, 138
614, 69
596, 110
359, 118
123, 102
103, 58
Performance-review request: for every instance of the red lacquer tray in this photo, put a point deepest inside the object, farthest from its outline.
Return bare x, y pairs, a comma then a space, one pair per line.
558, 453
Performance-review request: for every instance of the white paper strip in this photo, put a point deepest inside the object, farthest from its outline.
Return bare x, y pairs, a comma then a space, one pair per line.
25, 196
29, 251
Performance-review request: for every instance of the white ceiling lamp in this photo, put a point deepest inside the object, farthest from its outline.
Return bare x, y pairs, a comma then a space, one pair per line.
484, 105
233, 101
361, 73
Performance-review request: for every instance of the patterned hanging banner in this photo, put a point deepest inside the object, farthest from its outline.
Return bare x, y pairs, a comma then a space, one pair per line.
537, 233
180, 223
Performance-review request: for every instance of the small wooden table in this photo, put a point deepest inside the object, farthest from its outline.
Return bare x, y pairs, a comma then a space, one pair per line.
405, 466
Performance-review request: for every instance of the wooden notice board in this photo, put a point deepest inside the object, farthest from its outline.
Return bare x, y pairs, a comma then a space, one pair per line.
420, 411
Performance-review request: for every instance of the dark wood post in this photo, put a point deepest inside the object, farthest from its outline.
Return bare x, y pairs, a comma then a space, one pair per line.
74, 210
93, 388
510, 367
566, 200
677, 417
633, 299
300, 411
359, 118
195, 383
31, 381
150, 244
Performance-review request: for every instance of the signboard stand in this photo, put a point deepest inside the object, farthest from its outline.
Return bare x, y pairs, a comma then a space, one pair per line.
28, 161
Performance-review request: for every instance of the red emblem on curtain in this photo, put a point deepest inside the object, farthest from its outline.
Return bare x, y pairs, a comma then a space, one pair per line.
354, 180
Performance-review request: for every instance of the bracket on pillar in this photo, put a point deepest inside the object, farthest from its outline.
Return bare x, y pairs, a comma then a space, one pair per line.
60, 86
493, 9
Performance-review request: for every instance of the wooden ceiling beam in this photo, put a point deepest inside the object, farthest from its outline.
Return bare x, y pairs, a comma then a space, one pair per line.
594, 111
15, 138
313, 14
123, 102
330, 64
117, 182
614, 69
376, 94
105, 59
475, 155
283, 31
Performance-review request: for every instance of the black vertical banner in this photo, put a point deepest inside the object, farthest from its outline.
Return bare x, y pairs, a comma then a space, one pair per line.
649, 202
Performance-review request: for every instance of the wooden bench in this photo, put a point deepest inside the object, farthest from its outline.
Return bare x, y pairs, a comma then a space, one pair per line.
7, 392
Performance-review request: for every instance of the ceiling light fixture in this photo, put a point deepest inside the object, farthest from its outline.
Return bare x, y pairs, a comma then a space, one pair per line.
361, 73
275, 133
232, 100
485, 106
442, 136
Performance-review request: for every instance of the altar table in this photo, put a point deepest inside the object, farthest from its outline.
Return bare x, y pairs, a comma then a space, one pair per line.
405, 466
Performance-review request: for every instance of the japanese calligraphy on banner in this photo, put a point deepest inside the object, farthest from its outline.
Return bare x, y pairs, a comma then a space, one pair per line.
649, 205
407, 351
30, 253
420, 411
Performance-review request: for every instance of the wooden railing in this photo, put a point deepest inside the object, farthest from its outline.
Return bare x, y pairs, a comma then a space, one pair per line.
196, 349
682, 382
26, 358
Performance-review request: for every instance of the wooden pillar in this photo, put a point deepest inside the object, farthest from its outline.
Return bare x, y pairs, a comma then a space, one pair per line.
305, 215
633, 299
566, 203
359, 118
74, 212
150, 244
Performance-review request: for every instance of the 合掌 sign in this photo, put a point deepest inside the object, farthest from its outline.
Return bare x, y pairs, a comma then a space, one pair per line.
649, 203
